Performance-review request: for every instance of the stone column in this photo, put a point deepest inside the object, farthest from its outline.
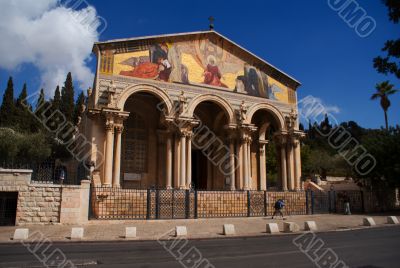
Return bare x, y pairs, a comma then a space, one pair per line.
117, 156
263, 175
297, 160
239, 173
169, 161
232, 164
183, 162
249, 164
189, 160
108, 170
177, 159
283, 167
289, 164
246, 164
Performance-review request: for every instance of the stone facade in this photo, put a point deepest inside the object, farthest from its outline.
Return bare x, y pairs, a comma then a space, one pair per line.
39, 204
144, 132
45, 204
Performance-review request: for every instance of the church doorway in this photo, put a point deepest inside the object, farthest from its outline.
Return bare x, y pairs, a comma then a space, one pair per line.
206, 158
199, 170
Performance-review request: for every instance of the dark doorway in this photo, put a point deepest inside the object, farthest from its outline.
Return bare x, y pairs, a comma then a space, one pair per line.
199, 170
8, 208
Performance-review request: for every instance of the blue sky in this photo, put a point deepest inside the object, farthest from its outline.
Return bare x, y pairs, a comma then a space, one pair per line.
305, 39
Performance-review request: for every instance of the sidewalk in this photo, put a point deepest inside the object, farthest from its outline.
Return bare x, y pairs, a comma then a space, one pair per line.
104, 230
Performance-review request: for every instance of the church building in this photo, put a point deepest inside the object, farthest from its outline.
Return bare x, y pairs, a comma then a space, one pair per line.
191, 111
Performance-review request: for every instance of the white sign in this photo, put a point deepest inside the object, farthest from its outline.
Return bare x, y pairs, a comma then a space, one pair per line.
132, 176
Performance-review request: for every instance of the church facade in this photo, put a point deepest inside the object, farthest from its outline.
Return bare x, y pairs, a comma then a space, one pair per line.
191, 110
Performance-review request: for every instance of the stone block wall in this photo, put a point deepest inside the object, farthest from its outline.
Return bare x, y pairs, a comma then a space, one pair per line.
39, 204
46, 203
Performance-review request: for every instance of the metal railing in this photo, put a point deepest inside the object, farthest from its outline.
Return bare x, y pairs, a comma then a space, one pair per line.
49, 172
118, 203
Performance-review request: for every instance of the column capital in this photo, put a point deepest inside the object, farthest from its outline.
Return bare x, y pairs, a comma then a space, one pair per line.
280, 139
187, 133
113, 117
247, 139
119, 128
110, 126
295, 142
262, 144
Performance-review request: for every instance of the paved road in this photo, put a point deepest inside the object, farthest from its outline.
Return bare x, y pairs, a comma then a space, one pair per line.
368, 248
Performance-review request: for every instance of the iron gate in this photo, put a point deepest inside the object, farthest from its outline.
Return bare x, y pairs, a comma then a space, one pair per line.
175, 204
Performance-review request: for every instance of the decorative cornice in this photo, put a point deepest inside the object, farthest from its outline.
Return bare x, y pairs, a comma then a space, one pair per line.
124, 81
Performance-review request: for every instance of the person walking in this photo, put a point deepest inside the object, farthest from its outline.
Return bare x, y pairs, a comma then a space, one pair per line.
346, 202
279, 205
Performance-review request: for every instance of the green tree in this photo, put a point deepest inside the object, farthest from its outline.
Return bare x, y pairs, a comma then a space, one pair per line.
271, 163
78, 110
57, 99
384, 90
9, 144
23, 148
389, 64
67, 105
7, 109
24, 120
40, 102
384, 146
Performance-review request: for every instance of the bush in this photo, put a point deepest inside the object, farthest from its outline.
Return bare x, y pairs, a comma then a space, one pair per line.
21, 148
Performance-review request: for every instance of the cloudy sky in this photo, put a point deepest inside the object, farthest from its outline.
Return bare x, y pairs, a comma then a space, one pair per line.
41, 40
49, 37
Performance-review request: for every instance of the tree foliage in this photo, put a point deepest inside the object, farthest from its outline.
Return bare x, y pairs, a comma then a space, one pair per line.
24, 137
7, 109
383, 91
67, 105
389, 63
16, 147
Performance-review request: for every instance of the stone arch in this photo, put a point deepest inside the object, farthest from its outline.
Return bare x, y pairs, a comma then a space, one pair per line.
263, 130
269, 108
157, 92
222, 103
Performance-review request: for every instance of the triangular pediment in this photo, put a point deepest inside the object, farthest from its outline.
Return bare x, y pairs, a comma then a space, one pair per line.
199, 58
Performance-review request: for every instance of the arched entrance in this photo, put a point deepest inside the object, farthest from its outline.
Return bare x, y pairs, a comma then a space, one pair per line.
210, 149
264, 155
143, 143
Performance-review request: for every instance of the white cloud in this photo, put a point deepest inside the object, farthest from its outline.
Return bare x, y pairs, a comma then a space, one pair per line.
50, 36
315, 109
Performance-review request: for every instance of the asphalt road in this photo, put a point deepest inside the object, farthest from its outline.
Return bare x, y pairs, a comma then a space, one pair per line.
367, 248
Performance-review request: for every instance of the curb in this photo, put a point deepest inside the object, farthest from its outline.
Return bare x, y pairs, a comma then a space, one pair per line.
254, 235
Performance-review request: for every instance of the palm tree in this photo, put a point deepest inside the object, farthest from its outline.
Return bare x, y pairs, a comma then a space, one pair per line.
384, 90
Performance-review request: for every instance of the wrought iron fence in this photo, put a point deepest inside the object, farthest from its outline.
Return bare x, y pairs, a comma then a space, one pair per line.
217, 204
115, 203
296, 203
51, 172
355, 198
118, 203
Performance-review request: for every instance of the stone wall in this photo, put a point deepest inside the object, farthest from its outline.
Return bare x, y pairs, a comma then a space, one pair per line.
39, 204
46, 203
